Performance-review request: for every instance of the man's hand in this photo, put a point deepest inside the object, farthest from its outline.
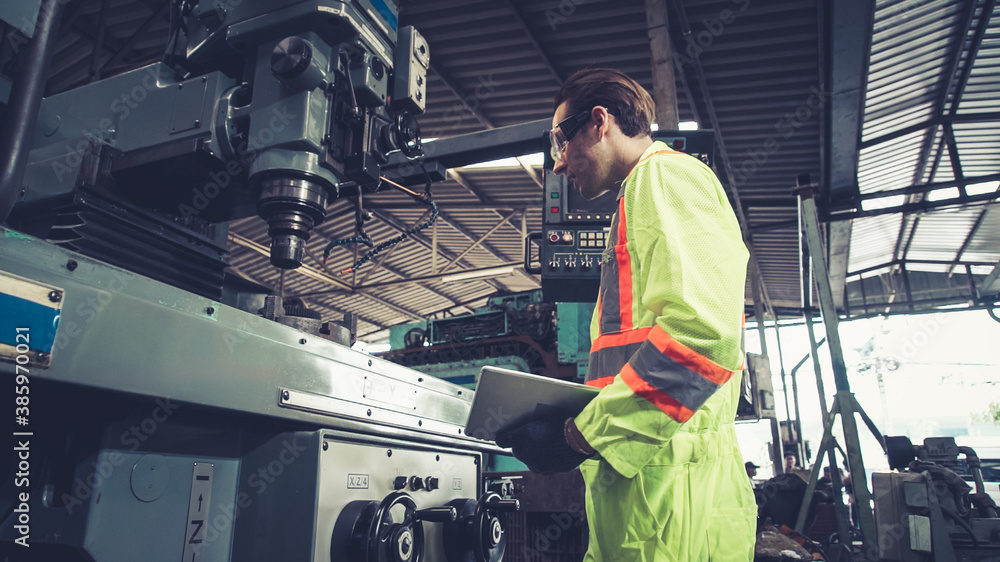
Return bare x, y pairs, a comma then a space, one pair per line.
542, 445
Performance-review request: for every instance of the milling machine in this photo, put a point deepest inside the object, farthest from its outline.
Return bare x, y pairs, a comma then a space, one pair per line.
160, 417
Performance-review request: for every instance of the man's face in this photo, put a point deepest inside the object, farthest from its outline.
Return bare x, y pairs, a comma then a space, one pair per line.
789, 462
584, 161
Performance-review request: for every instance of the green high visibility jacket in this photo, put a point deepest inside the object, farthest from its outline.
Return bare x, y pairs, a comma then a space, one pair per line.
668, 482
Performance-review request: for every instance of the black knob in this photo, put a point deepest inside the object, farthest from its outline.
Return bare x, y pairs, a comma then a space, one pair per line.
443, 514
399, 483
432, 483
416, 483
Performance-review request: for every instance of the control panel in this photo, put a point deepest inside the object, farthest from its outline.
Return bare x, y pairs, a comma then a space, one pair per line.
577, 230
327, 496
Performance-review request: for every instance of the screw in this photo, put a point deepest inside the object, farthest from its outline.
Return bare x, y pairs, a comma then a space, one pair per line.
284, 395
388, 453
325, 445
210, 310
55, 296
369, 411
369, 362
71, 265
420, 422
197, 122
42, 356
302, 341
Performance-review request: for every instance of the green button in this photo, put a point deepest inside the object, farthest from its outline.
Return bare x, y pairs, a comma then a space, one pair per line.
554, 195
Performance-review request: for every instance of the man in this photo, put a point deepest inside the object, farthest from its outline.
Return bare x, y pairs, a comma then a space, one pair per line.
791, 463
657, 445
751, 469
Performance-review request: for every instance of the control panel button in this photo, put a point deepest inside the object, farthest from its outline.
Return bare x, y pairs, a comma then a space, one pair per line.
431, 483
399, 482
416, 483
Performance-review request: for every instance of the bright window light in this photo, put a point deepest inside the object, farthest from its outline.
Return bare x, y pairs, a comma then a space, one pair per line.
688, 126
536, 159
940, 194
654, 127
981, 188
882, 202
366, 347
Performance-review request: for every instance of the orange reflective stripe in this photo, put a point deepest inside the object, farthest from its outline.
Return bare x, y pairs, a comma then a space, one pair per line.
624, 270
688, 357
661, 400
637, 335
601, 382
668, 151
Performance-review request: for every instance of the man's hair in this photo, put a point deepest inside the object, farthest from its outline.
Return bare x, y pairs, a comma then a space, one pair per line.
624, 98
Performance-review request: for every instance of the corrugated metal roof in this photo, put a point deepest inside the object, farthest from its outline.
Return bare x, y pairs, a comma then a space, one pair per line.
935, 62
500, 63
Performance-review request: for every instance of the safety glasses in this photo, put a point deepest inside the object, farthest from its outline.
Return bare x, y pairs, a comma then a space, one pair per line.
560, 135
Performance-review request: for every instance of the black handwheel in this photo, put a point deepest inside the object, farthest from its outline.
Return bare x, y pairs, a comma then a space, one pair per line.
367, 531
478, 535
394, 541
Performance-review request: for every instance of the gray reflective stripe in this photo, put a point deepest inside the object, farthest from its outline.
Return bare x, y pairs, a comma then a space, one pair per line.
609, 361
672, 378
611, 318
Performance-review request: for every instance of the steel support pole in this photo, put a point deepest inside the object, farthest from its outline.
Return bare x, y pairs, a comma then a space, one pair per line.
758, 313
25, 100
793, 434
844, 403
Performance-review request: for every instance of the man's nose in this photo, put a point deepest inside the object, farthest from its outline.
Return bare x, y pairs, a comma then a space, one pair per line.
560, 166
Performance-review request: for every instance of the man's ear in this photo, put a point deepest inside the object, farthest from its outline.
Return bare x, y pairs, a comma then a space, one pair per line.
602, 120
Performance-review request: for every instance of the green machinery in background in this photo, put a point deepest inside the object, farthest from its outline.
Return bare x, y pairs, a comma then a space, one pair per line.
517, 331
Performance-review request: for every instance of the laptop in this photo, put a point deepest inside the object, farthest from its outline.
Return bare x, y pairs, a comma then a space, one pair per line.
505, 399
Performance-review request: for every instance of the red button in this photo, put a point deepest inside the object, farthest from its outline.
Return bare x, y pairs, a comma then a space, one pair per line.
554, 210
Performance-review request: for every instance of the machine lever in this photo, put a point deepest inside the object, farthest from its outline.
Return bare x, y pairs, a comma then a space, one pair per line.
443, 514
503, 505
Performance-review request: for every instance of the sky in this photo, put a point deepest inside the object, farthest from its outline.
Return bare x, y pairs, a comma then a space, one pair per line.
940, 372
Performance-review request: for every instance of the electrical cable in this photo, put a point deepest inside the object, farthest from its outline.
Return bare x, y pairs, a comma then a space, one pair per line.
961, 523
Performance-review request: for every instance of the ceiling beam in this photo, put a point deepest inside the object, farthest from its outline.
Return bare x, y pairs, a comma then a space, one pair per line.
141, 31
919, 206
978, 117
410, 281
264, 283
478, 241
991, 285
486, 121
662, 64
534, 41
754, 266
845, 72
316, 275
